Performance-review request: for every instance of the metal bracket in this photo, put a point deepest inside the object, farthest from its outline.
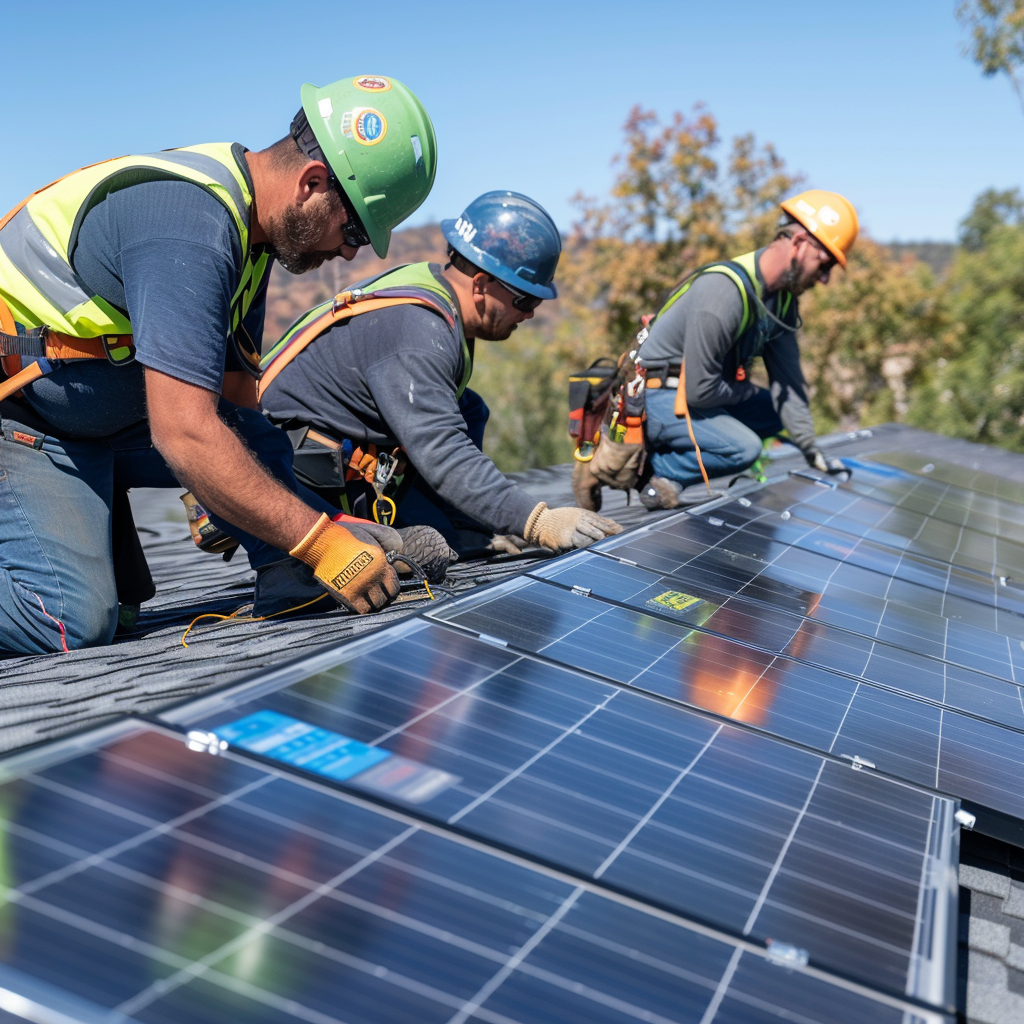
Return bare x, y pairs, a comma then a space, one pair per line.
857, 762
965, 819
784, 954
208, 742
582, 591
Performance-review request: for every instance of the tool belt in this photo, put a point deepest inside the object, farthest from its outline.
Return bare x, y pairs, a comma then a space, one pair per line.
45, 346
663, 375
360, 473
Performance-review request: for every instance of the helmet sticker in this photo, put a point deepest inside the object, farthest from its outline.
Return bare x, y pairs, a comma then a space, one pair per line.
828, 216
325, 106
372, 83
464, 229
364, 125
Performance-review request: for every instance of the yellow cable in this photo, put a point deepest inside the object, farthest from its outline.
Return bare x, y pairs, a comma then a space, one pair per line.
263, 618
248, 618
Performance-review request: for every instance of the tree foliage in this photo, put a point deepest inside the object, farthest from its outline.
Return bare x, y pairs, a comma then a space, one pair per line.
996, 44
974, 384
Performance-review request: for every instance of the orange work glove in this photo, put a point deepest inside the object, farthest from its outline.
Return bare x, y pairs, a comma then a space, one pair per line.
352, 569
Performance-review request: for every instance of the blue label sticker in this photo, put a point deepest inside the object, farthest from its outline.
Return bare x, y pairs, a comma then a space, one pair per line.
297, 743
369, 127
300, 744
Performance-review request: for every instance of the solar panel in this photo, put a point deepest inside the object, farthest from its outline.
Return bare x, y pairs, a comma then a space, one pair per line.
907, 737
144, 881
686, 813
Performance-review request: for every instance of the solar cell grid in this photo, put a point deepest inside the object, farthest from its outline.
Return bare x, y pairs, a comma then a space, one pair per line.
907, 662
976, 480
863, 600
807, 704
237, 894
673, 808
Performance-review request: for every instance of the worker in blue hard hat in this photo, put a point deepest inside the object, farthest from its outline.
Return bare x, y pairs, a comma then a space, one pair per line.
373, 402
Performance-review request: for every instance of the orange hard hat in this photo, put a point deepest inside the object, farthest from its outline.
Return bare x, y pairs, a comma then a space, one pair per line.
828, 216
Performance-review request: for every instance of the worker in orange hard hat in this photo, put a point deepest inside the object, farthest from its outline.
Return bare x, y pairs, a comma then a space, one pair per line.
704, 416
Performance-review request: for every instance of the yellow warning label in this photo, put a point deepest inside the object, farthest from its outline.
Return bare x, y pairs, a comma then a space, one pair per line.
676, 600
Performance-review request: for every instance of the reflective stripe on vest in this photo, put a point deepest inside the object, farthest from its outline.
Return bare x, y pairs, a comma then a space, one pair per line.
36, 243
415, 284
747, 262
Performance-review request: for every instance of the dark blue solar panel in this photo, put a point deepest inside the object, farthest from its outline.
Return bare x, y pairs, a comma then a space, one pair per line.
808, 704
673, 808
232, 893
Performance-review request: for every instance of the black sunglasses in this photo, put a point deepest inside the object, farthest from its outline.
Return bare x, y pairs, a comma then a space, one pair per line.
353, 232
520, 300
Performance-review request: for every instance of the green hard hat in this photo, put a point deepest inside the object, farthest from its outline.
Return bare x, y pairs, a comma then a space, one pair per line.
380, 145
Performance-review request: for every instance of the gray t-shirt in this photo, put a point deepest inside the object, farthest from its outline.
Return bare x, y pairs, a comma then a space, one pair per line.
702, 326
391, 378
167, 253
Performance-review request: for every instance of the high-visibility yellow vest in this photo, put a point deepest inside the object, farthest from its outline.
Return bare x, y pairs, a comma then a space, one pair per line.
38, 238
748, 262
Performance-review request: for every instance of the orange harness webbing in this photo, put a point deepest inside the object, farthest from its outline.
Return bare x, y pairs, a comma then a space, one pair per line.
682, 409
52, 345
343, 308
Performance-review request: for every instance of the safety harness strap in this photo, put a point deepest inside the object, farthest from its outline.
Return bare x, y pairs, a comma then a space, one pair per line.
346, 305
41, 343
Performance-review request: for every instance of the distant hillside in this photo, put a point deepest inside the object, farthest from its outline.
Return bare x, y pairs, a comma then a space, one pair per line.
938, 255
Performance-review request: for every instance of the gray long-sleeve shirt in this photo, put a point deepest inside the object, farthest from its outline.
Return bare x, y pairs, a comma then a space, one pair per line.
390, 378
700, 330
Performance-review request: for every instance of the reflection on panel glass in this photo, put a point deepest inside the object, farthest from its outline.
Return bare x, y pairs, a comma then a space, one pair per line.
809, 704
783, 619
210, 890
676, 809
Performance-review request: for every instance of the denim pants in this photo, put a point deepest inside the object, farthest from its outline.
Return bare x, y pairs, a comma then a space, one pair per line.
57, 587
729, 436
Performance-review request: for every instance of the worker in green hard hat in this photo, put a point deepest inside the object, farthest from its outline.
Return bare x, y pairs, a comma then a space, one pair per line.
132, 297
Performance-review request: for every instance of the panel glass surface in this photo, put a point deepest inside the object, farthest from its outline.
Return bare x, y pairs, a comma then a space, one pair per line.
908, 738
739, 541
713, 821
776, 618
146, 882
976, 480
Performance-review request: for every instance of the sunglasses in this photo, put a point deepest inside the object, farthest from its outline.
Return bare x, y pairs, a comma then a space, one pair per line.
520, 300
353, 232
827, 259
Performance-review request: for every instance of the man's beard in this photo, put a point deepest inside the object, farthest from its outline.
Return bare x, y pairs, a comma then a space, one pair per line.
300, 227
796, 280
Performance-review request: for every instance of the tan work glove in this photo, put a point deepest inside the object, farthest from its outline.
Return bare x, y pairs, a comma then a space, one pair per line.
562, 529
348, 564
506, 544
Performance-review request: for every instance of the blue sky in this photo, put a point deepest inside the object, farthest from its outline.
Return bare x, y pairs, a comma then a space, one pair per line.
872, 99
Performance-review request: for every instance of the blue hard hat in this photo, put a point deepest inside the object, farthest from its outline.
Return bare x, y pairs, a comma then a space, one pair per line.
510, 237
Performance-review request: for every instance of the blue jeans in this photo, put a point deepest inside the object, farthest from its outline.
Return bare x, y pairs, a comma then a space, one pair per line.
729, 436
57, 587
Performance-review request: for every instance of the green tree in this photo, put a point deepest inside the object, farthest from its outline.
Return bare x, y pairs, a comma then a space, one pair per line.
869, 336
996, 44
974, 385
992, 209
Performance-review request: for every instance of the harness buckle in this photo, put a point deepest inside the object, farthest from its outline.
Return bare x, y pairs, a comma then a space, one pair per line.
116, 351
386, 466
